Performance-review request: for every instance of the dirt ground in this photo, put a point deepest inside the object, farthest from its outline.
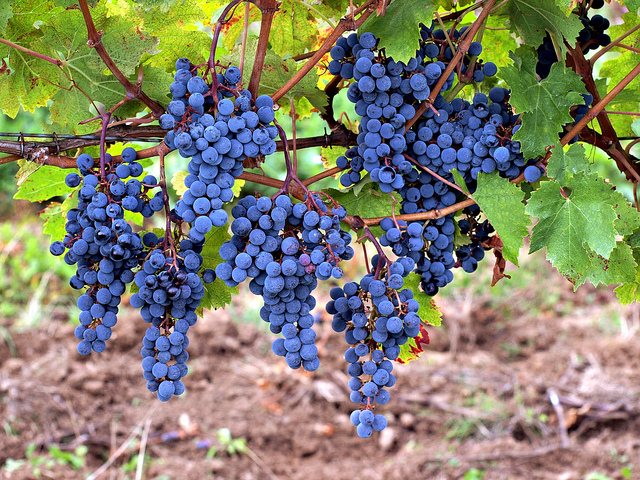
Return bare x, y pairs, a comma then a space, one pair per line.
477, 404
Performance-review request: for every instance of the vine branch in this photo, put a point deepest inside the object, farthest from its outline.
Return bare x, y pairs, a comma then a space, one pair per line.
343, 25
95, 42
463, 48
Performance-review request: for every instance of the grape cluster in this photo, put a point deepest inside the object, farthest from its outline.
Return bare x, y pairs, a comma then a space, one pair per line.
286, 248
217, 135
101, 242
386, 94
170, 291
377, 316
591, 37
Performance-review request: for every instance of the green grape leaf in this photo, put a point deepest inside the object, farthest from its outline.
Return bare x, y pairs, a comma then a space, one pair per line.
217, 293
545, 105
177, 182
459, 180
232, 30
330, 155
428, 312
6, 12
296, 30
371, 202
531, 19
501, 202
565, 162
237, 187
398, 29
53, 221
627, 217
620, 267
42, 184
332, 8
55, 217
178, 33
574, 224
500, 43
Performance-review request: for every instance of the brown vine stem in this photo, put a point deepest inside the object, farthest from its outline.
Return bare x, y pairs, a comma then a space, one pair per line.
434, 174
320, 176
343, 25
596, 109
293, 137
268, 9
245, 32
168, 237
211, 63
31, 52
615, 43
611, 112
609, 141
105, 123
95, 42
463, 48
430, 215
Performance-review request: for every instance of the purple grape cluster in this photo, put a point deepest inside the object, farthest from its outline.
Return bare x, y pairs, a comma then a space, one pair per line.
285, 249
217, 130
101, 242
377, 316
170, 291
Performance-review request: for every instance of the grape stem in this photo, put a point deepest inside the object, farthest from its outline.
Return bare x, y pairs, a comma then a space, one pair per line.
344, 24
434, 174
369, 236
268, 9
616, 42
293, 134
168, 236
463, 48
245, 32
105, 122
608, 140
32, 53
95, 42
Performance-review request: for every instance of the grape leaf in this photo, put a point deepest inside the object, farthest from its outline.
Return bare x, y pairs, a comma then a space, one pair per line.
501, 201
217, 293
398, 29
412, 349
531, 19
574, 224
178, 32
620, 267
565, 162
55, 217
371, 202
501, 42
6, 12
232, 30
294, 30
459, 180
330, 155
42, 184
428, 312
545, 105
177, 182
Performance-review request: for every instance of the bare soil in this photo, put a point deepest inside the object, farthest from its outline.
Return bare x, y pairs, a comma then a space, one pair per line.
480, 397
